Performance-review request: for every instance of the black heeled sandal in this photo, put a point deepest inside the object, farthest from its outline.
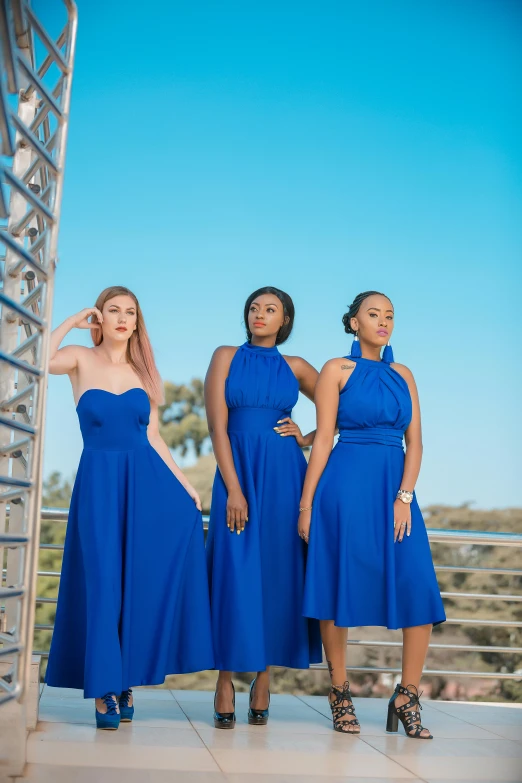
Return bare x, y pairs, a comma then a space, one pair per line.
225, 720
340, 713
406, 713
257, 717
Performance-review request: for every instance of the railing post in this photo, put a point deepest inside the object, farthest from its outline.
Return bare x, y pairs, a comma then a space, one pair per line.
33, 132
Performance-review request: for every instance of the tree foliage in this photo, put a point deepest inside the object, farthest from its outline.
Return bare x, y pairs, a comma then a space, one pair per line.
182, 418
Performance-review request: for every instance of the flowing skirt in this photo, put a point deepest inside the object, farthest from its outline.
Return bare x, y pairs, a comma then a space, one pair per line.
257, 578
133, 604
356, 575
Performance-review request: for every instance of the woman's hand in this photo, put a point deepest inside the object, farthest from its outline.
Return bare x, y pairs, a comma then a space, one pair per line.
303, 525
401, 520
286, 427
237, 511
81, 319
195, 497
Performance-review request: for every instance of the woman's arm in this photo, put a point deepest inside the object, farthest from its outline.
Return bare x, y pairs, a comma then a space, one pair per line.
217, 417
413, 458
63, 361
159, 445
327, 404
307, 376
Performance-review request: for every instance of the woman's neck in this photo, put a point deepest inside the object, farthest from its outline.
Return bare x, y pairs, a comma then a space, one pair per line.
113, 352
263, 342
372, 352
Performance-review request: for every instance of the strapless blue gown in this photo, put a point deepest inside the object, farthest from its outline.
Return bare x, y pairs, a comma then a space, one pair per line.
133, 604
256, 578
356, 575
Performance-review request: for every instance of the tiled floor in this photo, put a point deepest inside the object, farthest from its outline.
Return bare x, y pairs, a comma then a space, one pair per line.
172, 739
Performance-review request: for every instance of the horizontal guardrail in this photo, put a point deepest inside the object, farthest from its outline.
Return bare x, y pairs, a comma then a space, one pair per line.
435, 535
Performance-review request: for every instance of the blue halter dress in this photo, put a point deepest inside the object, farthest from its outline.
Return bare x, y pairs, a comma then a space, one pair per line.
133, 604
356, 575
256, 578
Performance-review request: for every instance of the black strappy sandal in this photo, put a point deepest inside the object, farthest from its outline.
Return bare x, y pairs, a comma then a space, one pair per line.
407, 714
340, 713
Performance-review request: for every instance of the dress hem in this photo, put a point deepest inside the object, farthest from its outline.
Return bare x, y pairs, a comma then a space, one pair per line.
338, 624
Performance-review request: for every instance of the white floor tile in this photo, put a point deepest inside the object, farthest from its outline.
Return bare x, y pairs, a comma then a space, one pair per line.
48, 773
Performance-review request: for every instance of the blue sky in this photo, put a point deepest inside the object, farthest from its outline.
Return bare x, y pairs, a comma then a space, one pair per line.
325, 148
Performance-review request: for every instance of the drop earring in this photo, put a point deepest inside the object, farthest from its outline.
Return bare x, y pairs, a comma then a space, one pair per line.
355, 353
387, 354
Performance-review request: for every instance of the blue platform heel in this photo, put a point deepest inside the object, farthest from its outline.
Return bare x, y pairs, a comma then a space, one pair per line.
126, 711
257, 717
111, 719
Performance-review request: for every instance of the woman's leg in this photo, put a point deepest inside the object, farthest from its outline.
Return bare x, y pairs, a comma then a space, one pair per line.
224, 693
261, 688
415, 645
334, 643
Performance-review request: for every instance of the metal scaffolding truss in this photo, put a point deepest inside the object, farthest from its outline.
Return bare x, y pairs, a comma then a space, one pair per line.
35, 89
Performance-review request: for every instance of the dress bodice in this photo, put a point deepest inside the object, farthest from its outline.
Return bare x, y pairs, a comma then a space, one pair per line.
114, 422
374, 404
260, 378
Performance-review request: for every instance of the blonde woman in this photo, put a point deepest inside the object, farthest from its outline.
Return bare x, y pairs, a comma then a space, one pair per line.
133, 603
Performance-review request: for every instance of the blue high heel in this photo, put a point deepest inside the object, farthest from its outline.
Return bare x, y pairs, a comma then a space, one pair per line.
126, 712
110, 719
257, 717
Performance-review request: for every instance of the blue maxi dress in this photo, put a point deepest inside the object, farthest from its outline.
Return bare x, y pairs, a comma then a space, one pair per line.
356, 575
256, 578
133, 603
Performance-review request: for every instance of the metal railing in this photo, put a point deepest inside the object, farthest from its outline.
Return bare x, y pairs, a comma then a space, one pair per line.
35, 89
435, 535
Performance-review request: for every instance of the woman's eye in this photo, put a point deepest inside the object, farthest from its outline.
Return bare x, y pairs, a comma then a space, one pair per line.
373, 315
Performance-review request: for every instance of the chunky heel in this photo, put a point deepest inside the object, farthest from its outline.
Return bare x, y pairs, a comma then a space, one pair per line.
225, 720
392, 724
407, 713
257, 717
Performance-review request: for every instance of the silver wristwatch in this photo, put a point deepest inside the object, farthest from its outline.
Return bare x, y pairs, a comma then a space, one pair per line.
405, 496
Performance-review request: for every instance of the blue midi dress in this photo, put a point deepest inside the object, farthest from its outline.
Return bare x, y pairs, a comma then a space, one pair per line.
133, 604
356, 575
256, 578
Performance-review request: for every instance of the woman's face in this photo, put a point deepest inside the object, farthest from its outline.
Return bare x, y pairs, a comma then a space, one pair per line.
374, 321
266, 316
119, 318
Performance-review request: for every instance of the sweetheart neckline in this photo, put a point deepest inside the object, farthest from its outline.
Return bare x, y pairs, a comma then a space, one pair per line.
113, 394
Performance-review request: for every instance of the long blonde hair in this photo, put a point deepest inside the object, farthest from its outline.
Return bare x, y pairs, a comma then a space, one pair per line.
139, 350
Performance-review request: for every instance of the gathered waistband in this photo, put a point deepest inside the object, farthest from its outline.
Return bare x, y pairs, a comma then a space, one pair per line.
383, 436
120, 443
254, 419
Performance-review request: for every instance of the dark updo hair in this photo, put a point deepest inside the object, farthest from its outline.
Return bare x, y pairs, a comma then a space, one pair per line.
355, 306
288, 311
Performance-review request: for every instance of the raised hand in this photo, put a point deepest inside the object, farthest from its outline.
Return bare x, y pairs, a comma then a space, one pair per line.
81, 319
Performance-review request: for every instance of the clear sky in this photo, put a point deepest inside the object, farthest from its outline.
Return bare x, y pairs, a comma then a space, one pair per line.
325, 148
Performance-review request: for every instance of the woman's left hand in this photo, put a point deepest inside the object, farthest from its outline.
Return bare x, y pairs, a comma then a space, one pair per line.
401, 520
286, 427
195, 497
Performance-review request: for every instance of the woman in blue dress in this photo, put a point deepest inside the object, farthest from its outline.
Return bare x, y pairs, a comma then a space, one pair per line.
133, 603
369, 560
255, 558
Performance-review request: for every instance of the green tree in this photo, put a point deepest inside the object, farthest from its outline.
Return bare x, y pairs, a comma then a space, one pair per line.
182, 418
